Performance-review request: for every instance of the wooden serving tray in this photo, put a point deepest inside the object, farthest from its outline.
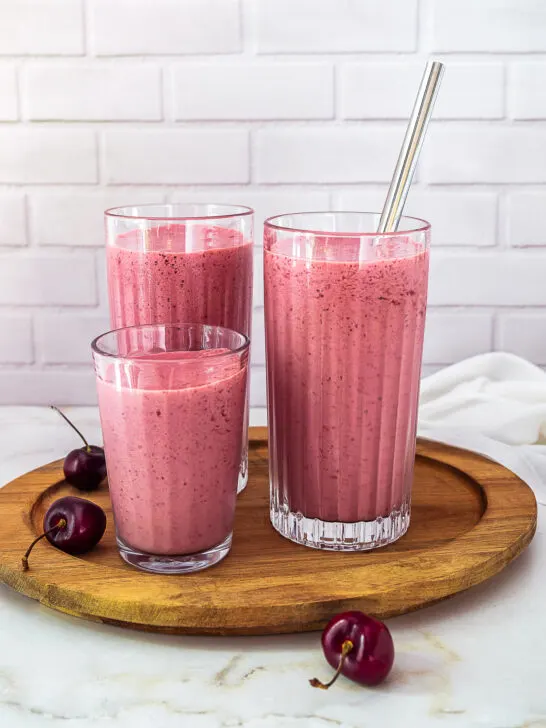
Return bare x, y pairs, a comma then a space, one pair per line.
470, 517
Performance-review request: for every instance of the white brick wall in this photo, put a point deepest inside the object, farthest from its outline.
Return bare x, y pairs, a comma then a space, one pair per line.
41, 279
485, 153
527, 99
523, 334
282, 105
160, 27
510, 26
16, 343
453, 336
483, 279
9, 110
32, 155
253, 91
65, 339
322, 155
12, 219
41, 28
180, 156
103, 92
525, 219
334, 26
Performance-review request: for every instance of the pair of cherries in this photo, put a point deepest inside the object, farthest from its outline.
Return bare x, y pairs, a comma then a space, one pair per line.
71, 524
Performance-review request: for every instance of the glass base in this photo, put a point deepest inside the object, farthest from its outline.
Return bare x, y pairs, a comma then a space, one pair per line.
174, 564
243, 475
336, 536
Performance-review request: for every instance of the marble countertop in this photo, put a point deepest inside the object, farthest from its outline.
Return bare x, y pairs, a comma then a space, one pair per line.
478, 659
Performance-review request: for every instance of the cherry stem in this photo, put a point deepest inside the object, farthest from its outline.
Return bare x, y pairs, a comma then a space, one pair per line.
346, 647
61, 524
72, 425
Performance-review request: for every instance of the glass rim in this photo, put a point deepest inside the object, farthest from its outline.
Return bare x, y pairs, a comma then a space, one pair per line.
96, 349
234, 211
420, 225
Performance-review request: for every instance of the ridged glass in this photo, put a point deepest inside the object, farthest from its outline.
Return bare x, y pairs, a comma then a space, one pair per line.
344, 312
172, 403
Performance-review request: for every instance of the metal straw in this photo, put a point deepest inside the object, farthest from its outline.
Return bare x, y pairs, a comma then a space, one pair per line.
409, 153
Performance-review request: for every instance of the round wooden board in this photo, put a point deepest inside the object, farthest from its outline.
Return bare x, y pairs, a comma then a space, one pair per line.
470, 517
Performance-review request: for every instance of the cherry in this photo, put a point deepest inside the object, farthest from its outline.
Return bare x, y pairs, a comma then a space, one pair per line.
357, 646
71, 524
84, 468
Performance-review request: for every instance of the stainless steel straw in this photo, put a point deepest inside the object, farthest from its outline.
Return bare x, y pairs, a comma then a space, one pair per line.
409, 153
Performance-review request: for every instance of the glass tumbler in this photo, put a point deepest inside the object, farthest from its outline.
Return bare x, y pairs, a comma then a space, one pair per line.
172, 404
345, 314
176, 263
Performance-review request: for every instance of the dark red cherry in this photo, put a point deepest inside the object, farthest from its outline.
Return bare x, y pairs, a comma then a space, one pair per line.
71, 524
84, 468
359, 647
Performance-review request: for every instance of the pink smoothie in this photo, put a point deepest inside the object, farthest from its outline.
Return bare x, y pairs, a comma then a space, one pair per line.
172, 435
344, 345
173, 274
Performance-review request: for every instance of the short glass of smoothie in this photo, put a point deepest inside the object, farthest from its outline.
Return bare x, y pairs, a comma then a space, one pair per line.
345, 315
182, 263
172, 404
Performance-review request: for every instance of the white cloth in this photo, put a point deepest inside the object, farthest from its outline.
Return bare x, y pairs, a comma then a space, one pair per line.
494, 404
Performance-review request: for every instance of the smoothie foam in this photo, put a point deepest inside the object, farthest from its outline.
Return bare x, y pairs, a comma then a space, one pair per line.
176, 273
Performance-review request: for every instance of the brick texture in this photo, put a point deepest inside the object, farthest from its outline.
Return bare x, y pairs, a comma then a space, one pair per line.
139, 27
325, 155
453, 336
12, 219
282, 105
527, 91
47, 156
335, 26
503, 279
43, 280
509, 26
525, 219
523, 334
41, 27
179, 157
16, 342
258, 91
9, 110
66, 339
486, 154
103, 92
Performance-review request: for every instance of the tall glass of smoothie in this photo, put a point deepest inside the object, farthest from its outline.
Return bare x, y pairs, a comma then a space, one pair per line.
176, 263
345, 315
172, 405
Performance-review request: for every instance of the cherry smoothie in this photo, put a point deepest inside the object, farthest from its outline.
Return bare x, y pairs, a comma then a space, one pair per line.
199, 274
172, 425
344, 332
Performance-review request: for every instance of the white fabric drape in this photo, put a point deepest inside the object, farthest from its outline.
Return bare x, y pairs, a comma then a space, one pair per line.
494, 404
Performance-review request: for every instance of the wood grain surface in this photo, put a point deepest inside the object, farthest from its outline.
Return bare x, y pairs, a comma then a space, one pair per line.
470, 517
